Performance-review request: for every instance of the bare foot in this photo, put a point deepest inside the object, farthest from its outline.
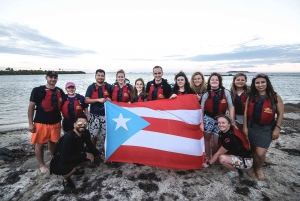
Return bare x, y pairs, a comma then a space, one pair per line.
102, 156
44, 169
251, 173
260, 175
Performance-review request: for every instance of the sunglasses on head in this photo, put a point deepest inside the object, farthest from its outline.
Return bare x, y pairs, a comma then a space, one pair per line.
81, 123
260, 75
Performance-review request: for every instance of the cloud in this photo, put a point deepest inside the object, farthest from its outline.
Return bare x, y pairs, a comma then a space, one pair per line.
258, 54
19, 39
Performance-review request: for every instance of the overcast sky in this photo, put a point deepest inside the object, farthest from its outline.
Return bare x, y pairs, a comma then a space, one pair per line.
259, 36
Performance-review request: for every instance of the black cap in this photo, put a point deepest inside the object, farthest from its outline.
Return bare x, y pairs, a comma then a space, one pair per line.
52, 73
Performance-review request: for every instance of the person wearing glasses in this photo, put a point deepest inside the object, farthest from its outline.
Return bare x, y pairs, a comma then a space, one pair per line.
239, 92
215, 101
158, 88
44, 117
260, 124
73, 149
73, 106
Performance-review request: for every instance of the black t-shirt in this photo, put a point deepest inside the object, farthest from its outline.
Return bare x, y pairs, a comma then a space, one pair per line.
73, 148
37, 95
97, 108
233, 144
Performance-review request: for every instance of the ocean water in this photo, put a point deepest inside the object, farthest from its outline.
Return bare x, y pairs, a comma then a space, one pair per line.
15, 90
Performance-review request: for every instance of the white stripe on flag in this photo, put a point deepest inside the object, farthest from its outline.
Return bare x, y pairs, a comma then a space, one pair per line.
166, 142
187, 116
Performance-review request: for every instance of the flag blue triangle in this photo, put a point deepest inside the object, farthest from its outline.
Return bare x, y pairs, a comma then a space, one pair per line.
116, 133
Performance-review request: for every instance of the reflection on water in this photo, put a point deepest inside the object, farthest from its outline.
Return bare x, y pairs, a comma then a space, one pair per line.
15, 90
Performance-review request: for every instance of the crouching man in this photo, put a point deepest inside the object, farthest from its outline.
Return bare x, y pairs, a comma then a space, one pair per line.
73, 149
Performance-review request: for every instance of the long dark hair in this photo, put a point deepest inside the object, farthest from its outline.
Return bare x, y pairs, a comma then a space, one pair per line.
134, 91
187, 88
269, 90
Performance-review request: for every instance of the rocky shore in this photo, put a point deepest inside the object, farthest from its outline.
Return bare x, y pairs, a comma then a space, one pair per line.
20, 178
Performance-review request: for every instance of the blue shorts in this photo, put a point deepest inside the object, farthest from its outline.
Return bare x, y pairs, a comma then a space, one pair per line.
211, 125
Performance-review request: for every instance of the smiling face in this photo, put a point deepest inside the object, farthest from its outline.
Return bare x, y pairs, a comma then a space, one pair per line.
240, 81
121, 78
197, 80
80, 125
71, 90
223, 124
51, 80
261, 85
214, 82
180, 81
157, 74
139, 86
100, 77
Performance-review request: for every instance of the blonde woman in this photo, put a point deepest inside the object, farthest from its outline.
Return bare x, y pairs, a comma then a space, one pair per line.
198, 84
239, 92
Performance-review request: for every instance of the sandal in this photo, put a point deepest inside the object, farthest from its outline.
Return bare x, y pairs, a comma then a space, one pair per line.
231, 174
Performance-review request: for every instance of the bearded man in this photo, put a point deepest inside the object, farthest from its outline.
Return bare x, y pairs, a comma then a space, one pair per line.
73, 149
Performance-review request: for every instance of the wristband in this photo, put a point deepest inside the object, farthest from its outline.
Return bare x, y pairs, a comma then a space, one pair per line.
278, 127
208, 163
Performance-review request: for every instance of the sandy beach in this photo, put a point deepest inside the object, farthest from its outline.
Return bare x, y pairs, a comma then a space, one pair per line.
20, 178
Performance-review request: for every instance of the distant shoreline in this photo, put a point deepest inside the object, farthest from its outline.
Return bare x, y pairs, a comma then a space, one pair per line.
36, 72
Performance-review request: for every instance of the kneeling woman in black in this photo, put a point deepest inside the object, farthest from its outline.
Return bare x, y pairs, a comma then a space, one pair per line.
234, 152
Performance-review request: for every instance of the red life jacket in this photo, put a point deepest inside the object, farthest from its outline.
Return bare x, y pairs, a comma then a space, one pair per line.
261, 111
72, 109
140, 98
96, 95
52, 100
242, 137
239, 103
125, 93
220, 105
159, 92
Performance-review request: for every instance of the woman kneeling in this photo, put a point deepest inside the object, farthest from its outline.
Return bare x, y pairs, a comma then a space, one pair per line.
234, 152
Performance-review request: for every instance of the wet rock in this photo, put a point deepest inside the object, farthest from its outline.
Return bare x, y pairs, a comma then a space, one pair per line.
150, 176
6, 158
12, 178
247, 182
242, 190
6, 152
148, 187
108, 196
294, 152
48, 195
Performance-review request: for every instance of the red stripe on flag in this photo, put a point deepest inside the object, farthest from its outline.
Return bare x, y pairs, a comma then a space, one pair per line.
173, 127
153, 157
190, 103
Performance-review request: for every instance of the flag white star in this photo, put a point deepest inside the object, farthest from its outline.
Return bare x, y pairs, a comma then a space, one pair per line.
121, 122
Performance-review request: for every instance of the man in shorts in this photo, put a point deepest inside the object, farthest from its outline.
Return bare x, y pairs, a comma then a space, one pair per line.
96, 94
44, 123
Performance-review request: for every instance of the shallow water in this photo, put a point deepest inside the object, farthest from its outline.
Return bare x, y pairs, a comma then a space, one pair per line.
15, 91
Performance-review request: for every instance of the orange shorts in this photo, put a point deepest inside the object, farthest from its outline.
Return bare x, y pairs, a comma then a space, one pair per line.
45, 133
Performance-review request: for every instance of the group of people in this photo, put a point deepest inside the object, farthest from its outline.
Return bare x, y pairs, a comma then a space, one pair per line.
251, 116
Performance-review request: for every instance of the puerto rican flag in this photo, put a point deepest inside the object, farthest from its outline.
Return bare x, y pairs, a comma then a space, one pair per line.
162, 133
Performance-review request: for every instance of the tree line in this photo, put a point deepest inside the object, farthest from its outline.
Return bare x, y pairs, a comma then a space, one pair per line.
11, 71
